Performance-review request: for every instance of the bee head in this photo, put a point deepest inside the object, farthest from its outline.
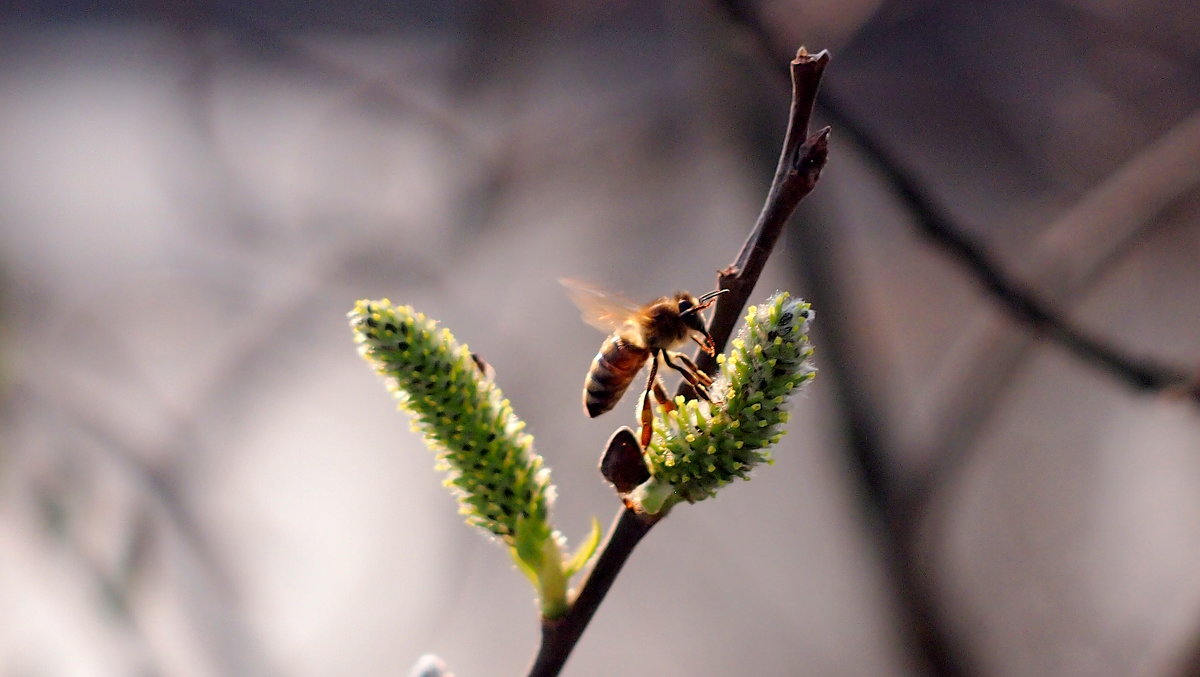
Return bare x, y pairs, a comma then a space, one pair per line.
695, 323
689, 311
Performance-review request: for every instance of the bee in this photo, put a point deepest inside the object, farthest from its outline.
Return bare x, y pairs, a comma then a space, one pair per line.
643, 333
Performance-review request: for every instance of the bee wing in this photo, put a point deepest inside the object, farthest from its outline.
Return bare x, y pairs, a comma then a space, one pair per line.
603, 310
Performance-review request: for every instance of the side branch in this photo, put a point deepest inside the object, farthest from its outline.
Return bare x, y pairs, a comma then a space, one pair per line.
1020, 301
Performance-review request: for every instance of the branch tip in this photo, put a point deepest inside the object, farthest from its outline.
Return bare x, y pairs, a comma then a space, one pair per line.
810, 62
802, 57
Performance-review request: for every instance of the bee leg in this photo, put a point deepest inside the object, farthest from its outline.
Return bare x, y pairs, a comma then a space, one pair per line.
647, 418
698, 380
660, 394
687, 362
706, 344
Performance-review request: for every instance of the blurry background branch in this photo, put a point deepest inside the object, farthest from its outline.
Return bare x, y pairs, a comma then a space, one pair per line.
1066, 258
1027, 301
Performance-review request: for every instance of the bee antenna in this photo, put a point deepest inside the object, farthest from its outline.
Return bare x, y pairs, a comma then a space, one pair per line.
707, 300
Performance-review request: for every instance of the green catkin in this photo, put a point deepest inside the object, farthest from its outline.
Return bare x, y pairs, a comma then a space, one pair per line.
501, 484
462, 415
700, 447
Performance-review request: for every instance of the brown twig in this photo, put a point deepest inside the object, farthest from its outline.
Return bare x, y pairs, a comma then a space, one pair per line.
800, 163
867, 444
560, 635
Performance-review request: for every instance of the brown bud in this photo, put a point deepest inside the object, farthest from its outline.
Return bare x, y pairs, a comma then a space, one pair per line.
622, 463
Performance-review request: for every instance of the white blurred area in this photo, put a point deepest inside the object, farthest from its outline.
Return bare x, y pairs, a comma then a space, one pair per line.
199, 476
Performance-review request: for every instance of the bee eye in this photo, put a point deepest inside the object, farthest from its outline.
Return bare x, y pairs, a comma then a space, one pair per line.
684, 305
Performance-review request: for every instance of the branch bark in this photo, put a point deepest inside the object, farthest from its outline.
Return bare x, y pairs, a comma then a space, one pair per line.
869, 445
560, 635
800, 163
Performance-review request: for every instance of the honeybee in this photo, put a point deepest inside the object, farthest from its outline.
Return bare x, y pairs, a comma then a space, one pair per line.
641, 333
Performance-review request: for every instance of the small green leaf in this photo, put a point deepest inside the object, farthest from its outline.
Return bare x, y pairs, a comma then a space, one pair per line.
524, 566
653, 496
527, 545
586, 550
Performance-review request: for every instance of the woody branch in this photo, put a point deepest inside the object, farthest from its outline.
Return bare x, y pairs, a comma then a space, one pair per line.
801, 160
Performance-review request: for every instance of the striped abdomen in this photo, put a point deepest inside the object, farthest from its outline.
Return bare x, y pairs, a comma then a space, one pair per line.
612, 371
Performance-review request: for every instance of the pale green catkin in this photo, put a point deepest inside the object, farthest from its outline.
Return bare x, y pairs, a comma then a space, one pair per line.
501, 484
700, 447
481, 444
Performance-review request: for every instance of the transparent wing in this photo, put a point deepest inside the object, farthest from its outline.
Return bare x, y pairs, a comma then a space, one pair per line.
601, 309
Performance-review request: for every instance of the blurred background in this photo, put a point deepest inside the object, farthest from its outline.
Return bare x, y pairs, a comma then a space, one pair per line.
199, 476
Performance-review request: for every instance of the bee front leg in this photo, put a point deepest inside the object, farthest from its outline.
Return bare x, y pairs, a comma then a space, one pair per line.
647, 410
687, 362
698, 380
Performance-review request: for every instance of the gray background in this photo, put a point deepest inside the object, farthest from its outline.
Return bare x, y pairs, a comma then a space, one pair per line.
199, 476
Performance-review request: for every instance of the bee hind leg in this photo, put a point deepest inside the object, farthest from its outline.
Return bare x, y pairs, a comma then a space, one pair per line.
647, 418
660, 394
